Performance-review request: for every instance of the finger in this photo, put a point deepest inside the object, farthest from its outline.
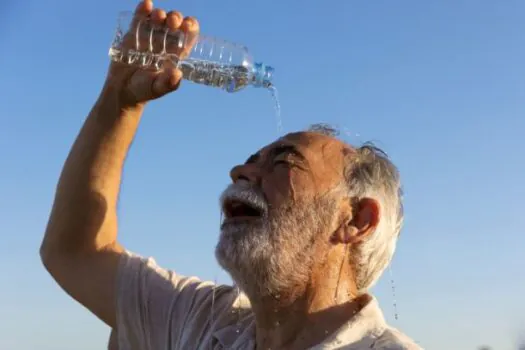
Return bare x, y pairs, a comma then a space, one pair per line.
156, 30
142, 12
144, 8
174, 20
167, 81
158, 16
190, 27
175, 43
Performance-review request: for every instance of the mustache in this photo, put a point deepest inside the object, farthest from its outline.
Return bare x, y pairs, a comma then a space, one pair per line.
246, 194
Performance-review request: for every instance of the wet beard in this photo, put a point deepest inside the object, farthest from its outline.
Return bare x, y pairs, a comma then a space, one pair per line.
274, 255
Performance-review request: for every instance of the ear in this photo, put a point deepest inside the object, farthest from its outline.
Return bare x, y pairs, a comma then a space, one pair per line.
357, 223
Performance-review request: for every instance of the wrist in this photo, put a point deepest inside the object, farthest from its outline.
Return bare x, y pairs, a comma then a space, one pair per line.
112, 103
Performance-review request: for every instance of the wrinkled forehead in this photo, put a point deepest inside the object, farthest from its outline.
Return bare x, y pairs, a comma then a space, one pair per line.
313, 143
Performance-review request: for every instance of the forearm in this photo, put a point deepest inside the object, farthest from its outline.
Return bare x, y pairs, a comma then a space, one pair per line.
83, 218
80, 248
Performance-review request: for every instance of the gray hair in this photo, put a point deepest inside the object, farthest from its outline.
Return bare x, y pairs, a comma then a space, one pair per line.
370, 173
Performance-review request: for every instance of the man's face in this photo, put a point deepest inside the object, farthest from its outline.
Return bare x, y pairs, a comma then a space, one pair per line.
280, 211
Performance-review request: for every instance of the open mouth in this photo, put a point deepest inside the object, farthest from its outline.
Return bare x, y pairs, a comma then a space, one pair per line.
236, 209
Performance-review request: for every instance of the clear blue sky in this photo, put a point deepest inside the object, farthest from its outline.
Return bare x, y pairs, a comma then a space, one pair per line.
439, 84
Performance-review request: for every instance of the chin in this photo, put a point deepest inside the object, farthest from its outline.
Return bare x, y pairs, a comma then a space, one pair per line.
258, 265
246, 253
237, 271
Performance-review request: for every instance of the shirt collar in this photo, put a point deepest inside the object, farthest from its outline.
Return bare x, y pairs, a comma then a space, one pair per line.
240, 335
362, 330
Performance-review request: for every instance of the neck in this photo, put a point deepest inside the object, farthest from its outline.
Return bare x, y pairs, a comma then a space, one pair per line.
304, 316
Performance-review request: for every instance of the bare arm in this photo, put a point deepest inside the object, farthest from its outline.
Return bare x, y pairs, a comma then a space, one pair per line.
80, 248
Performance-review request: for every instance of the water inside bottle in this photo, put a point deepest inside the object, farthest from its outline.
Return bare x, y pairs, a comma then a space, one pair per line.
228, 77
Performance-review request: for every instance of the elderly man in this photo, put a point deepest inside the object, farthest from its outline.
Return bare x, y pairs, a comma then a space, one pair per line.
310, 225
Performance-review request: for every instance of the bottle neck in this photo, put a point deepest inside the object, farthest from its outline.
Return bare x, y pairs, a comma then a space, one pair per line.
262, 75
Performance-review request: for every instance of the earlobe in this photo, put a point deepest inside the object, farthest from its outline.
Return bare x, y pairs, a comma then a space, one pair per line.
346, 234
351, 233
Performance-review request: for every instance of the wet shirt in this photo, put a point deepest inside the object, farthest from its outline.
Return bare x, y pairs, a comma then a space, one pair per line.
160, 310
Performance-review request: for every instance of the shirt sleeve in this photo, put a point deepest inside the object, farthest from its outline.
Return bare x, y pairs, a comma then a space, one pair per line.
154, 305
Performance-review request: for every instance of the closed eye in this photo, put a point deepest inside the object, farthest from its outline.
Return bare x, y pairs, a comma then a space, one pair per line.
280, 160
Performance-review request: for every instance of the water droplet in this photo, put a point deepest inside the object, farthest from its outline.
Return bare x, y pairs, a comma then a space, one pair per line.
393, 292
277, 107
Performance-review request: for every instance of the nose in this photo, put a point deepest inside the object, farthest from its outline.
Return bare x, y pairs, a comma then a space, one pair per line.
246, 172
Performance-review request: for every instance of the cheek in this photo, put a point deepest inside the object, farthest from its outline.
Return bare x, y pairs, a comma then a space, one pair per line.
277, 186
285, 185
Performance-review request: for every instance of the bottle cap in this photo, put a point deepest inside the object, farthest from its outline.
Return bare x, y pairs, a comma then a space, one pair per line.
263, 75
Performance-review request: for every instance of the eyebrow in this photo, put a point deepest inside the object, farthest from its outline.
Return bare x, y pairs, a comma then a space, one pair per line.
286, 149
274, 152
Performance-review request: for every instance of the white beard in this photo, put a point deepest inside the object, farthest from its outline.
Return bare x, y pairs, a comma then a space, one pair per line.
275, 253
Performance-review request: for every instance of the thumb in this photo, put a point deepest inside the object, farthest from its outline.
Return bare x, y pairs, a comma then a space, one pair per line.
166, 82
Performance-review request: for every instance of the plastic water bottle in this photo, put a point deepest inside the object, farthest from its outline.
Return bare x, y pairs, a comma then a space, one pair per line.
213, 62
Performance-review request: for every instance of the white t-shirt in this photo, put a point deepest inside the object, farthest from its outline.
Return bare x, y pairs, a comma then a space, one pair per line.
160, 310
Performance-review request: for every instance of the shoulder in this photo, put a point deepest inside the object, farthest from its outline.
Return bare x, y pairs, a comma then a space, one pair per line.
155, 304
393, 339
